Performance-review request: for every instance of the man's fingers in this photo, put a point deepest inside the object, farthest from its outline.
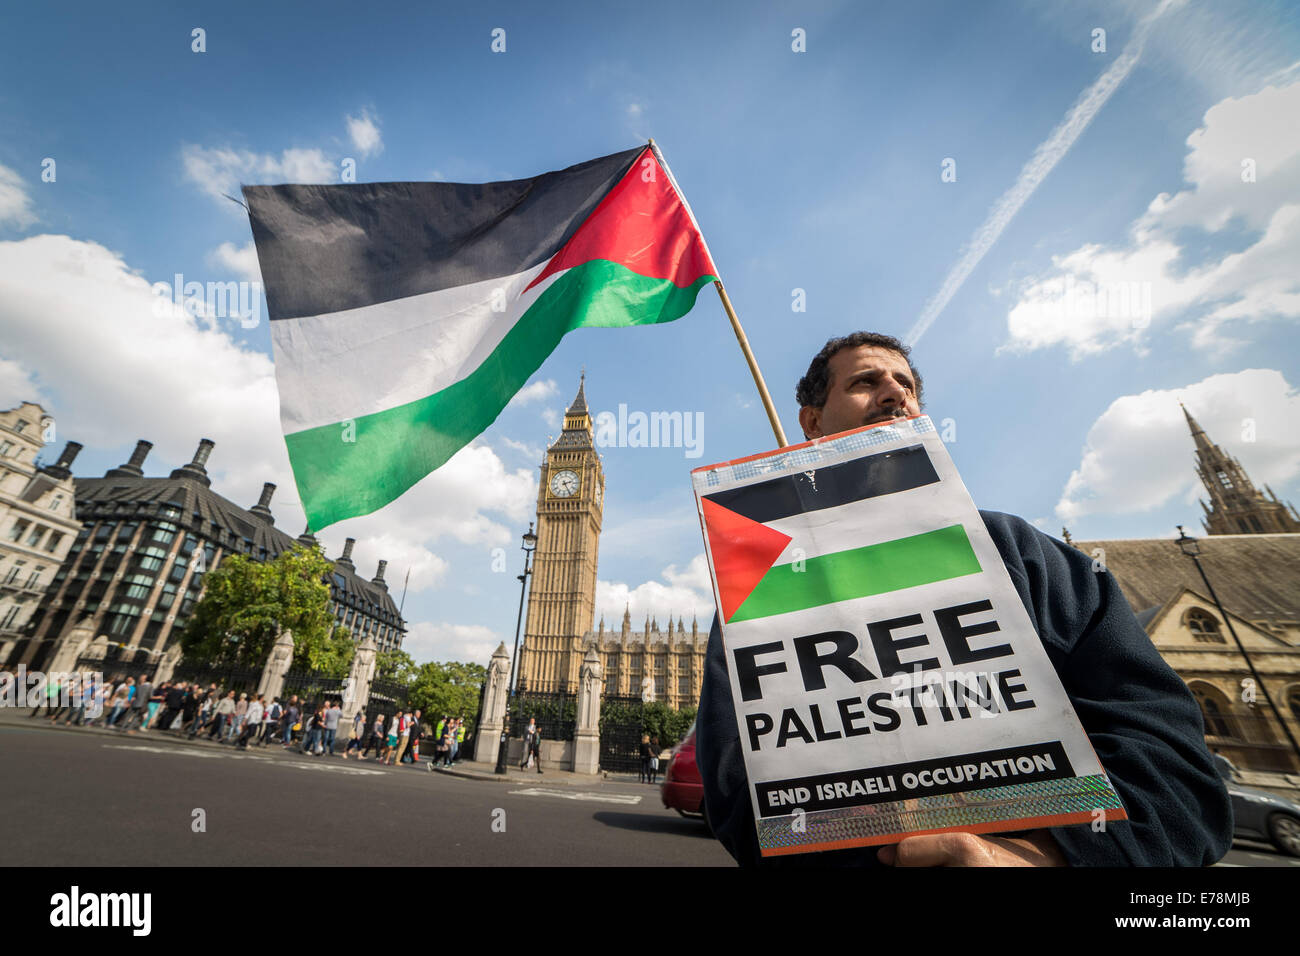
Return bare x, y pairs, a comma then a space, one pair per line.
940, 849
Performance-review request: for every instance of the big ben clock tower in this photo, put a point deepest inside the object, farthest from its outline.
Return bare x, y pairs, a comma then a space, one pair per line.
562, 599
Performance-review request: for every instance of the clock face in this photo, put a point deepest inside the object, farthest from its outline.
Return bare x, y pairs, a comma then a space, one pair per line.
564, 484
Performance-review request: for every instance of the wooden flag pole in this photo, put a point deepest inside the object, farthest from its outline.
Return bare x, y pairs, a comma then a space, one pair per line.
753, 366
772, 417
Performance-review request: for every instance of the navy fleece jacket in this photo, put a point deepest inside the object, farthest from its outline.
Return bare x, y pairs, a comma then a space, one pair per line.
1142, 720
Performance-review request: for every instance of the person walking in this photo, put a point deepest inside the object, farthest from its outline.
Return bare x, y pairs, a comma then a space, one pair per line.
645, 759
459, 739
391, 740
173, 705
448, 738
529, 734
252, 722
404, 734
154, 704
271, 721
654, 758
225, 711
241, 713
139, 700
412, 754
121, 699
313, 728
535, 756
331, 726
354, 737
291, 714
376, 738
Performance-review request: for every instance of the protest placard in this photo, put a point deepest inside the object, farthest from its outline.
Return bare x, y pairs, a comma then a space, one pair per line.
886, 676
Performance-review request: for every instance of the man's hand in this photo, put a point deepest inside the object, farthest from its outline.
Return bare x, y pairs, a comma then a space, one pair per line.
1035, 848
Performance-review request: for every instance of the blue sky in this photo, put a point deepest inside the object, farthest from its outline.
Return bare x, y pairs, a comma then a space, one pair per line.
817, 170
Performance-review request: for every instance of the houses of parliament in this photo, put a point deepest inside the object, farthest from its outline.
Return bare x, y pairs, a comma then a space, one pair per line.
1250, 551
562, 597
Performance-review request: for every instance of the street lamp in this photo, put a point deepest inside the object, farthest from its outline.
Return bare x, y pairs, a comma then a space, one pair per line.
1192, 548
528, 547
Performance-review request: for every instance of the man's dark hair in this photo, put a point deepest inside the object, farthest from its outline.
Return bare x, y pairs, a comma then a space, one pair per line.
813, 387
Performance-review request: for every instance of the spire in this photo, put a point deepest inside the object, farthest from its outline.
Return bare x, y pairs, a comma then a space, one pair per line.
579, 406
1236, 506
578, 431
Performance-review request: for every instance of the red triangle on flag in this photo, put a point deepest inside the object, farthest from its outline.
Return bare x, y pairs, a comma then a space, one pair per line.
742, 550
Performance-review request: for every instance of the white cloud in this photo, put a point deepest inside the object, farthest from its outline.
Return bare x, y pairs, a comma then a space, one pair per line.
683, 594
1138, 453
15, 203
1257, 283
364, 133
219, 171
241, 260
202, 384
87, 331
552, 417
535, 392
532, 451
442, 641
1049, 152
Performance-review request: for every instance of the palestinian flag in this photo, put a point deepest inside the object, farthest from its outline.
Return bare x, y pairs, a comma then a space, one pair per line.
404, 316
785, 544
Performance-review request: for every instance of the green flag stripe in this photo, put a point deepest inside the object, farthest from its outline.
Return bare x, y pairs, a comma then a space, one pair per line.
352, 468
861, 572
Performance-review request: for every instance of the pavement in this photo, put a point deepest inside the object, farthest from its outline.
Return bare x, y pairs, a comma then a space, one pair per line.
465, 769
95, 797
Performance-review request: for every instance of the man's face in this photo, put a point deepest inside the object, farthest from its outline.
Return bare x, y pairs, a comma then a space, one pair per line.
867, 384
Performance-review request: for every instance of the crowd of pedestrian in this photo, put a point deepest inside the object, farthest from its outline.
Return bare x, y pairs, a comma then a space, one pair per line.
188, 709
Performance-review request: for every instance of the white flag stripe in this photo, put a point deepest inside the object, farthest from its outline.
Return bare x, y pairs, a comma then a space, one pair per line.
886, 518
340, 366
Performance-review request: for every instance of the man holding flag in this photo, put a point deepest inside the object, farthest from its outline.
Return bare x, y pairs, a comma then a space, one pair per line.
1139, 715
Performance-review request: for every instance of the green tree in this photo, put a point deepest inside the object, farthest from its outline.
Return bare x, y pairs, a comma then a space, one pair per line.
452, 689
395, 665
246, 603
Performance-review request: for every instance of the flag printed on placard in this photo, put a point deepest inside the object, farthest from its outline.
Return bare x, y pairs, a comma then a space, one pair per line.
405, 316
885, 674
744, 529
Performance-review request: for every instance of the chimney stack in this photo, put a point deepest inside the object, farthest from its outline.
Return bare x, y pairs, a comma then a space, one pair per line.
132, 469
263, 507
378, 579
346, 557
195, 469
63, 467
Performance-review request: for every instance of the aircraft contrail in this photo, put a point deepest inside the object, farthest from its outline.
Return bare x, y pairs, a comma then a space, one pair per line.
1047, 155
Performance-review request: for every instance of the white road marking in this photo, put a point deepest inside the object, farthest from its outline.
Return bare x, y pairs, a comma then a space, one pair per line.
628, 798
235, 756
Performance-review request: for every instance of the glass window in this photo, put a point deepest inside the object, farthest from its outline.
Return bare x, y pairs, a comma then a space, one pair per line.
20, 525
22, 423
58, 500
5, 448
37, 533
52, 544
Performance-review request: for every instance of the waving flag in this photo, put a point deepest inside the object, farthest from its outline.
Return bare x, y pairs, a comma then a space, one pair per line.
404, 316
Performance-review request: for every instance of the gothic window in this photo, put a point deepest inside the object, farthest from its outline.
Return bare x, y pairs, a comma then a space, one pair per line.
1216, 722
1225, 480
1204, 628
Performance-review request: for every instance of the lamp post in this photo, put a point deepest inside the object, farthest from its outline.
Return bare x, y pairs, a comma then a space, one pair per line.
1192, 549
528, 547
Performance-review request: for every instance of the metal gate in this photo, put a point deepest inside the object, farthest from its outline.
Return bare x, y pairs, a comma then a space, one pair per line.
118, 663
620, 734
554, 711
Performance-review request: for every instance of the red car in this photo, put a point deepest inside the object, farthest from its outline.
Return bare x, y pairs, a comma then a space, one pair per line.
683, 790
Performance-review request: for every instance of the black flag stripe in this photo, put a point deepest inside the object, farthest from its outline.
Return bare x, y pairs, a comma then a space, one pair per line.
830, 487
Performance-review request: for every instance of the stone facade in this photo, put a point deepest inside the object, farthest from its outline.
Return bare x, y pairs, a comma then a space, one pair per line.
558, 629
37, 518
